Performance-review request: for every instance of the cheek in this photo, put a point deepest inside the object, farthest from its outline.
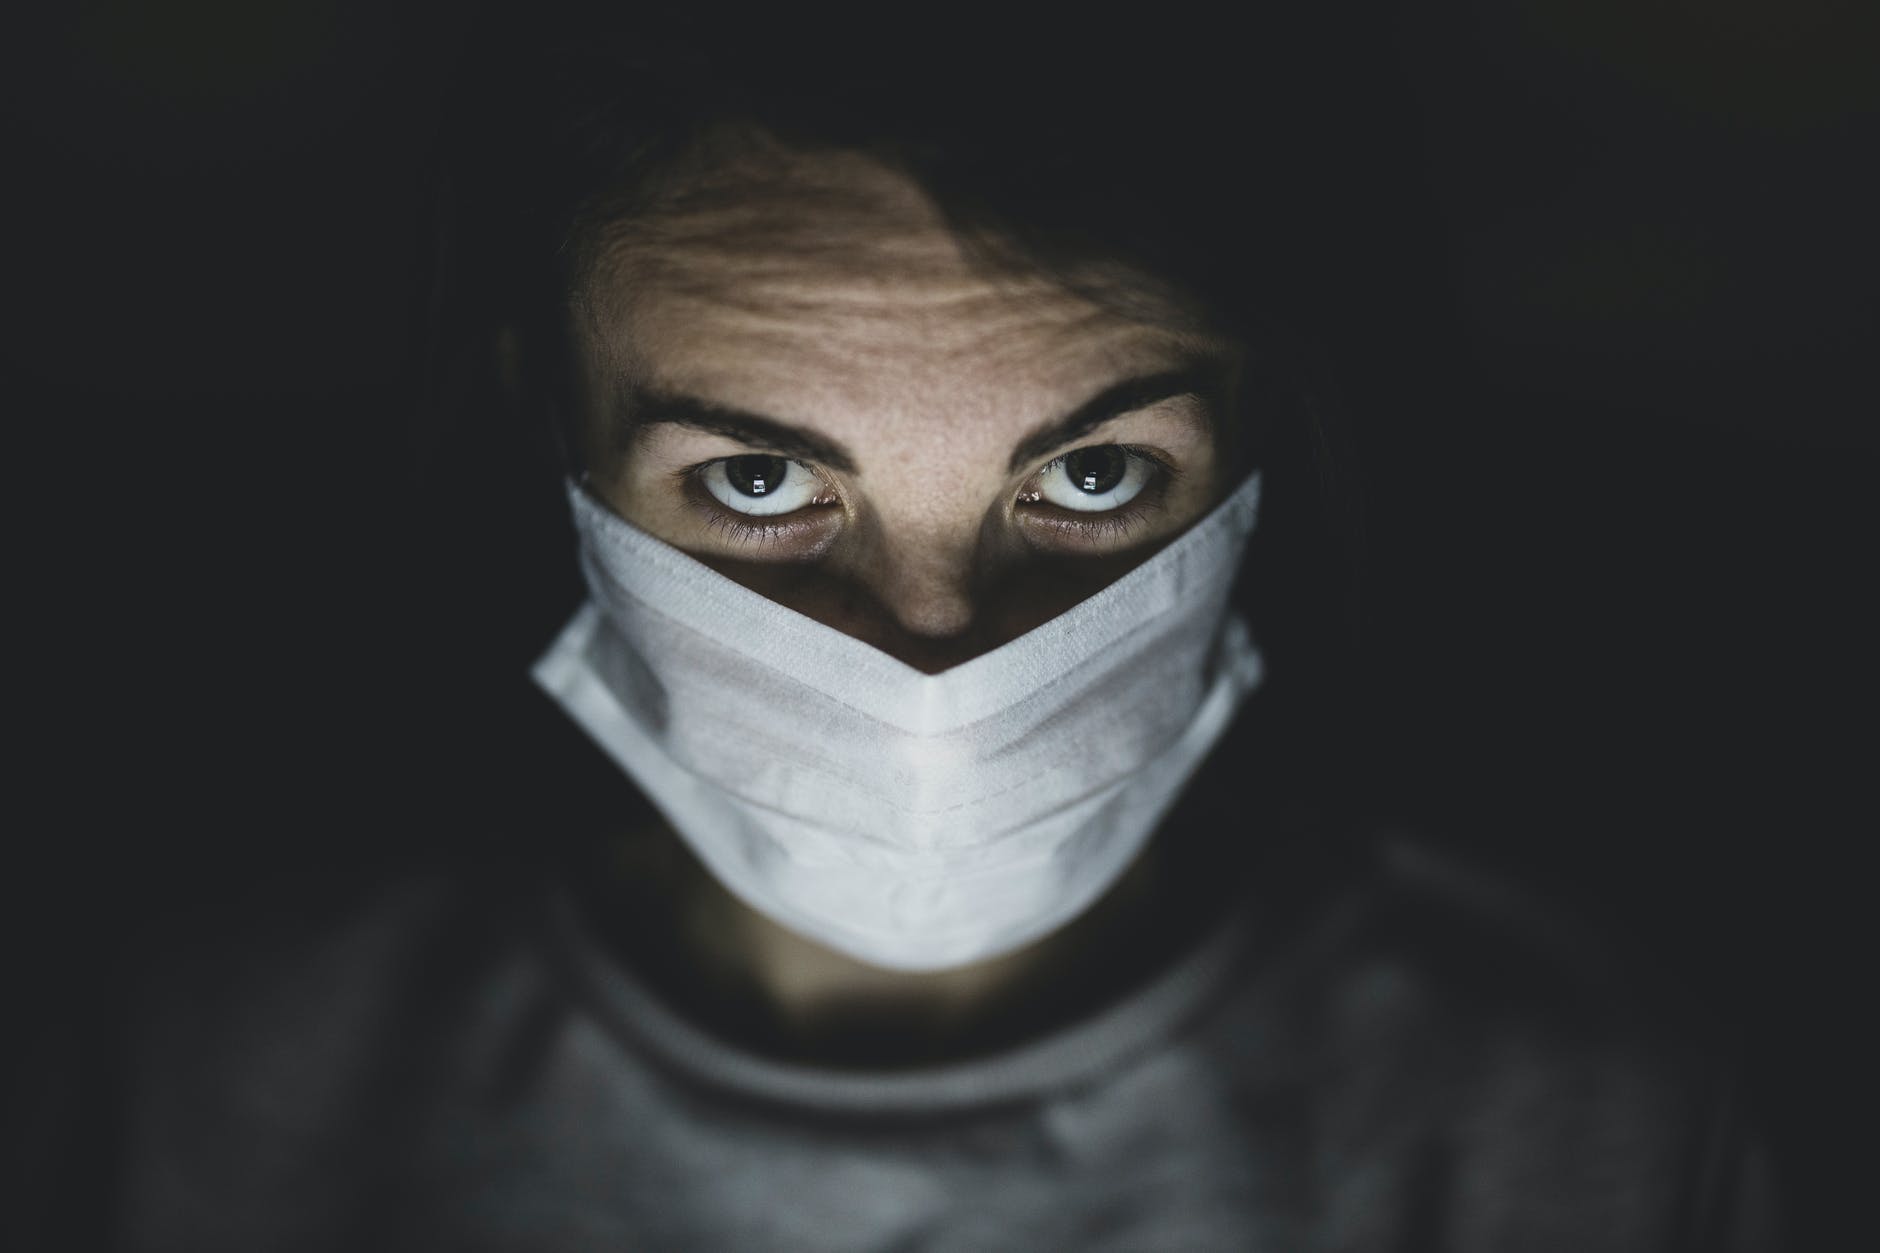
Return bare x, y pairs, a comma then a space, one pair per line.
639, 492
645, 480
1033, 591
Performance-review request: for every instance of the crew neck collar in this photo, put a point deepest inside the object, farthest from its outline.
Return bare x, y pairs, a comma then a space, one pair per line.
1072, 1054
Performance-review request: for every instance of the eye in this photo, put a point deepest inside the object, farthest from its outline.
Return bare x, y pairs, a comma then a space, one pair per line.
1094, 480
761, 486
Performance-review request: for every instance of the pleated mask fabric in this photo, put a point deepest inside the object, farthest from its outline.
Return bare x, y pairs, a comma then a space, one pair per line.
912, 821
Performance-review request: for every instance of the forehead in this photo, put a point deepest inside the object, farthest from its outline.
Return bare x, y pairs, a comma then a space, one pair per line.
826, 289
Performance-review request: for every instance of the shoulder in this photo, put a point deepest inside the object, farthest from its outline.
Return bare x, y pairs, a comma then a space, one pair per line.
301, 981
1471, 1047
277, 1053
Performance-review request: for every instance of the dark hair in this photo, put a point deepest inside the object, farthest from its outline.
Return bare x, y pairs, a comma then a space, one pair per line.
1257, 177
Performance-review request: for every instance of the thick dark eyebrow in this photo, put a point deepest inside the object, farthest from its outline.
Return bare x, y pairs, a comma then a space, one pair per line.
644, 409
1203, 382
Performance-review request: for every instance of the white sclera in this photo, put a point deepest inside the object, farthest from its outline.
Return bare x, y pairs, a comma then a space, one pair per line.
797, 488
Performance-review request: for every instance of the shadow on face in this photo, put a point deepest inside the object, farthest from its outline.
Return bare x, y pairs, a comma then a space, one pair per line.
793, 371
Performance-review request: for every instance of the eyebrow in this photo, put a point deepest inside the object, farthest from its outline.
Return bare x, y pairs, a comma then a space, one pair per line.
1202, 382
646, 408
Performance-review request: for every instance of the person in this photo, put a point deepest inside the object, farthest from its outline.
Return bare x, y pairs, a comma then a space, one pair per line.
944, 845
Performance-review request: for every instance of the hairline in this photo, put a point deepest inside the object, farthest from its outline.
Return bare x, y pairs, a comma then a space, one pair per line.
601, 229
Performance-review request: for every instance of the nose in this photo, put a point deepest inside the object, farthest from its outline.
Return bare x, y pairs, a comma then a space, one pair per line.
927, 591
918, 600
935, 600
922, 598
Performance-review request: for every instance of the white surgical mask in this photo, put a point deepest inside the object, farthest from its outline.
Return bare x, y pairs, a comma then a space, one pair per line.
912, 821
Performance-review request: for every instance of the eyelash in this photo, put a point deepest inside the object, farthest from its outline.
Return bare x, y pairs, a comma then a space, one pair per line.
742, 529
748, 530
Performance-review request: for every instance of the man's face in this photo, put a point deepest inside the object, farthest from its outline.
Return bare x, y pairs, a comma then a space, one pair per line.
793, 373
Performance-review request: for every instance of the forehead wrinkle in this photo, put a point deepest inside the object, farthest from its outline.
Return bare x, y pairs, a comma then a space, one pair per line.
797, 233
817, 250
963, 325
978, 367
984, 389
767, 283
928, 304
768, 231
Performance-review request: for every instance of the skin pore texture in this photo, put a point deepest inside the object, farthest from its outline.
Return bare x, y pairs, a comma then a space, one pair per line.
922, 422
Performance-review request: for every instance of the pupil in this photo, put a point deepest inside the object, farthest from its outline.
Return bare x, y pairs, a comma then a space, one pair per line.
1096, 470
756, 476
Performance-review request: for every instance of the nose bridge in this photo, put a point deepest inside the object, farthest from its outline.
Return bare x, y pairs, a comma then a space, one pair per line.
926, 577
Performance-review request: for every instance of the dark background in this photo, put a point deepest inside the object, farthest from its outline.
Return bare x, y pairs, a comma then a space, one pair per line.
1620, 528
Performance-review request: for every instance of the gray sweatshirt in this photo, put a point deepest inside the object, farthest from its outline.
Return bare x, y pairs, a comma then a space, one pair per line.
1425, 1062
